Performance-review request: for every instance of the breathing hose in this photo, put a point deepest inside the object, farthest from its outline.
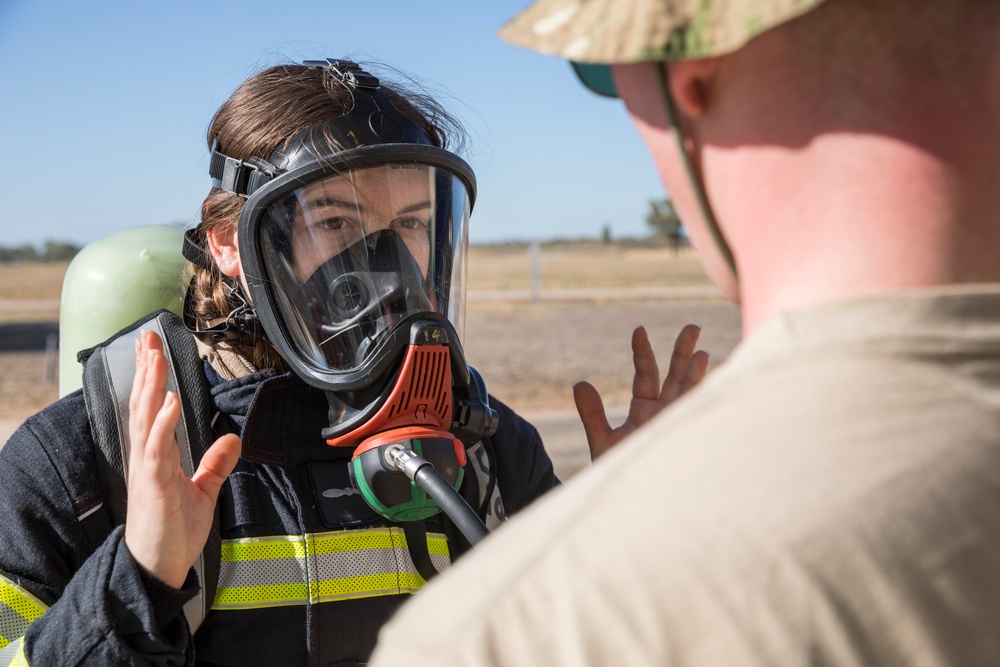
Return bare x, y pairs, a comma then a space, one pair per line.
423, 474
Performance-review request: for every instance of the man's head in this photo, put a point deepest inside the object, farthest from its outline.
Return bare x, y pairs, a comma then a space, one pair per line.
812, 131
633, 36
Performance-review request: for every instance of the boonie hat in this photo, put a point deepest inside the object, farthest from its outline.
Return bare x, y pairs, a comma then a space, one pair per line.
621, 31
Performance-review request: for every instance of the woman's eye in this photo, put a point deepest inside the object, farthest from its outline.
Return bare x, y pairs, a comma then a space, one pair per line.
332, 224
410, 223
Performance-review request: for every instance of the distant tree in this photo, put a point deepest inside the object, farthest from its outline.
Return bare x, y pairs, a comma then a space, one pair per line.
59, 252
665, 222
606, 234
24, 253
52, 251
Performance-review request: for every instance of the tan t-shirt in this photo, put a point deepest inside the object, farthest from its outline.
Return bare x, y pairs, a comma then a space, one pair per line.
829, 496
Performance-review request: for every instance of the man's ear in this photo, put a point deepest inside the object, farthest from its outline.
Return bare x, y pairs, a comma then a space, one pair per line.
691, 85
225, 251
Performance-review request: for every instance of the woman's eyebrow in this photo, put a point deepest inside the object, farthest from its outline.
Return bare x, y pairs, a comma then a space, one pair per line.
416, 207
331, 200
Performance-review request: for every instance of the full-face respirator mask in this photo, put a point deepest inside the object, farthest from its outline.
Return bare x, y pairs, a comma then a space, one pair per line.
352, 242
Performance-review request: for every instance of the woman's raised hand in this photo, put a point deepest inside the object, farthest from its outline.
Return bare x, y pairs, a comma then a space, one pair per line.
169, 516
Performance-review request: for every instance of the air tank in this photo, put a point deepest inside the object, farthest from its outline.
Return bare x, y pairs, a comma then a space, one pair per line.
110, 284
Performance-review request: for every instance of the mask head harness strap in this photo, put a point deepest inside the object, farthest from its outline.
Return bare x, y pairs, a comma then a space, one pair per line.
369, 118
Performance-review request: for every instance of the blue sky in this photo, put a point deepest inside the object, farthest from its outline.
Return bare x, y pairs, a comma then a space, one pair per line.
105, 107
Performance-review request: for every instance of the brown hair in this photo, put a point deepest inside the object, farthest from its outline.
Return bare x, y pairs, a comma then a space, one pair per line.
265, 111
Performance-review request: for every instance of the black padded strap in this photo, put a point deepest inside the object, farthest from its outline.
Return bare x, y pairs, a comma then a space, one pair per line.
193, 252
109, 371
416, 543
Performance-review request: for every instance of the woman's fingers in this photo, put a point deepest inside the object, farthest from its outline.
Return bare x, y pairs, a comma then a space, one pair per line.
162, 460
139, 379
216, 465
151, 394
146, 398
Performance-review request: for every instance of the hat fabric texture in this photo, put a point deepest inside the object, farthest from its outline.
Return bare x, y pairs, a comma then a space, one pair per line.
621, 31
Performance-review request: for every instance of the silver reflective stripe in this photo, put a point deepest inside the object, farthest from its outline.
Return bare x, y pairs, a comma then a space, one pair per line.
495, 514
90, 511
11, 655
320, 567
278, 571
12, 625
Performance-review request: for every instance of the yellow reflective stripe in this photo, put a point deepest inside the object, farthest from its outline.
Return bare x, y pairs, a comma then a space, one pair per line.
351, 540
248, 597
262, 548
339, 565
280, 546
369, 586
18, 608
330, 590
20, 600
436, 545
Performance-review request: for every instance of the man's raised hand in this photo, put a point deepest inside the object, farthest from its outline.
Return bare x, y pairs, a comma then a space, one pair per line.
687, 369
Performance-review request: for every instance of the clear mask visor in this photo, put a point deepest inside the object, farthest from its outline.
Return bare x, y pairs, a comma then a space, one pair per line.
354, 254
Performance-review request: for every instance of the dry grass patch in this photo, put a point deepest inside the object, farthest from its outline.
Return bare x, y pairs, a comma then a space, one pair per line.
20, 282
584, 266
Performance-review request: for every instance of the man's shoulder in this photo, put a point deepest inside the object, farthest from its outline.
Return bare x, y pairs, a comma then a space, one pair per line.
772, 483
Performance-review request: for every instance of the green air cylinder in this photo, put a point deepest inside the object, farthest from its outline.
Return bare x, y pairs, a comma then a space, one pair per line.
113, 282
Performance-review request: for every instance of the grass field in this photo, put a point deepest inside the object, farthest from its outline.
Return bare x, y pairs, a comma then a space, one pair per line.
31, 281
584, 266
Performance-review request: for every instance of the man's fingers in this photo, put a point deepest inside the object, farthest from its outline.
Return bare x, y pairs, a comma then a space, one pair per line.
216, 465
696, 370
646, 383
591, 409
680, 360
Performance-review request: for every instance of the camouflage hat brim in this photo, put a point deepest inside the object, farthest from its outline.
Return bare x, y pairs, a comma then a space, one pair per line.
620, 31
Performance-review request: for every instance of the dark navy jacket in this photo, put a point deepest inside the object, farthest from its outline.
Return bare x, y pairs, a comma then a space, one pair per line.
72, 588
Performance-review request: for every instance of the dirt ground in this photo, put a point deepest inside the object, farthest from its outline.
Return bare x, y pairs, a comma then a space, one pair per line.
530, 353
25, 387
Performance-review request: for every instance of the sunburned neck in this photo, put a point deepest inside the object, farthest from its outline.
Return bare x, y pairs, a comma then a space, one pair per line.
861, 215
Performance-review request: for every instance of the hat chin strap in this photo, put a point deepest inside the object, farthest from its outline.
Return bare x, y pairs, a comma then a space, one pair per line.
701, 197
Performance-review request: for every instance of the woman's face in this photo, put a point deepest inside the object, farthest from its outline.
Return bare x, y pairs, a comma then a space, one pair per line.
334, 214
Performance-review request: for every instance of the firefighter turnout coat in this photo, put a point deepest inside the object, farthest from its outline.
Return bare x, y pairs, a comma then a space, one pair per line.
307, 573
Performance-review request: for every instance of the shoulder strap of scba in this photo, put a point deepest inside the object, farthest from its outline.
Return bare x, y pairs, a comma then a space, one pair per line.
108, 372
